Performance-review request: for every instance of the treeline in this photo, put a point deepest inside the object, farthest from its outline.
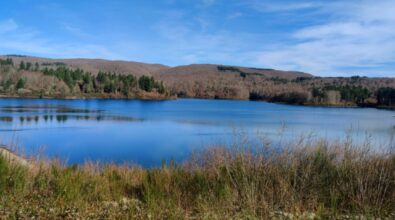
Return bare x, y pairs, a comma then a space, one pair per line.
289, 98
104, 82
237, 70
386, 97
29, 66
332, 95
76, 81
354, 94
305, 90
7, 61
22, 65
7, 84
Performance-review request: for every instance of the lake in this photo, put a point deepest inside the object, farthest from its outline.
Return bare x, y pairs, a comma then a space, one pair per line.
148, 132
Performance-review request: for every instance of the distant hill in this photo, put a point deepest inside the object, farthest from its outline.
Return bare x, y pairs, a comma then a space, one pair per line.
210, 69
80, 78
138, 68
94, 65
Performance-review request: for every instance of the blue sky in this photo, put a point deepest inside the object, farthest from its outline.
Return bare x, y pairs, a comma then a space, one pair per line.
327, 38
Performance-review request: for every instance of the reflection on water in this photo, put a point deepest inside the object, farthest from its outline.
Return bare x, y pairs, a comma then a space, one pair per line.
45, 108
60, 113
146, 132
64, 118
6, 118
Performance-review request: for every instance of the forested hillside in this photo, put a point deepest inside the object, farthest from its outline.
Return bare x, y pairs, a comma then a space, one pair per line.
227, 82
26, 79
20, 76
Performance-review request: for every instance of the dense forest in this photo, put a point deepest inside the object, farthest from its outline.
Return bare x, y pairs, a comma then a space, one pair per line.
227, 82
62, 81
344, 92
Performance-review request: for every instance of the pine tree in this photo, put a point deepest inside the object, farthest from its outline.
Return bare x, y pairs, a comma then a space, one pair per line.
28, 65
22, 65
36, 67
20, 84
10, 61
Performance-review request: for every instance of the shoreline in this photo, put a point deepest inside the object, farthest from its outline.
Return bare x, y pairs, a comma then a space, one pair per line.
174, 97
13, 157
104, 97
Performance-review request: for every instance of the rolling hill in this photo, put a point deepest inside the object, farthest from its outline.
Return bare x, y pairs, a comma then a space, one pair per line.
124, 79
94, 65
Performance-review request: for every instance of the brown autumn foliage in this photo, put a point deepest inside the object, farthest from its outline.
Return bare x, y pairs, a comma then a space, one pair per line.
222, 82
213, 81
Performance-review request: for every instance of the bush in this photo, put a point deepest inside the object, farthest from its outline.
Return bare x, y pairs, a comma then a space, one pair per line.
21, 83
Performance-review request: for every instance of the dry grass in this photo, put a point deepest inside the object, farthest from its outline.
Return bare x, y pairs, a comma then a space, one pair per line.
330, 180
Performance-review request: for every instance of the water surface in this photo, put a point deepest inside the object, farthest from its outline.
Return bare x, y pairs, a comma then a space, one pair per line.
148, 132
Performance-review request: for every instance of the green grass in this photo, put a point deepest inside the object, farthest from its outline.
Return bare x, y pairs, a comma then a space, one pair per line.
330, 180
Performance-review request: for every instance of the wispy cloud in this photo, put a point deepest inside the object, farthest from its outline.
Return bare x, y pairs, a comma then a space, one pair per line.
7, 26
188, 44
277, 6
76, 31
359, 35
321, 37
355, 37
206, 3
18, 39
235, 15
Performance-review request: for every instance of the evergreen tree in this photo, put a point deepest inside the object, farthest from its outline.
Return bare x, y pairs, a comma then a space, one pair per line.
36, 67
10, 61
104, 81
68, 80
28, 66
7, 61
20, 84
146, 83
22, 65
386, 96
7, 84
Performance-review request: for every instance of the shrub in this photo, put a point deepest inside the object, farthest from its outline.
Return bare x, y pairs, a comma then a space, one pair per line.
21, 83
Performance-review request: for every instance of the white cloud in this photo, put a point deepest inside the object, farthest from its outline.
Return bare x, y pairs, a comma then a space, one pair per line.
28, 41
342, 38
186, 44
357, 35
320, 37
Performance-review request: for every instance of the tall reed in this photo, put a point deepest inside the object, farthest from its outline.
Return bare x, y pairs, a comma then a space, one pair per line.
328, 179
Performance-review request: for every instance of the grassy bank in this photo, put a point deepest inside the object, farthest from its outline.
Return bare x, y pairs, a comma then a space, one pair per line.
314, 179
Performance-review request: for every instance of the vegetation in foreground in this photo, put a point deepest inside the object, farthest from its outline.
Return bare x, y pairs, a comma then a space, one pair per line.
307, 179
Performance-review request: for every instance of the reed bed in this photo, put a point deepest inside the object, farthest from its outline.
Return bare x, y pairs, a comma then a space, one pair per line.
302, 179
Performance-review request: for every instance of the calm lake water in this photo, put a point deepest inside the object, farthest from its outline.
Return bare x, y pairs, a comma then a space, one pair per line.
147, 132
